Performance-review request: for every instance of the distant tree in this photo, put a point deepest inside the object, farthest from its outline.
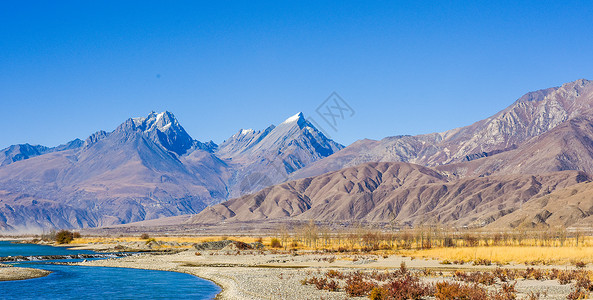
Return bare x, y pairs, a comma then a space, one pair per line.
145, 236
64, 237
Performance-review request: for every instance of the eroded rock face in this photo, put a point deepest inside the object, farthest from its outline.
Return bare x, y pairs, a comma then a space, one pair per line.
531, 116
407, 194
268, 157
150, 167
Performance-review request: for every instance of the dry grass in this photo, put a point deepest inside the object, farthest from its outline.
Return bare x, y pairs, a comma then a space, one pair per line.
526, 251
201, 239
508, 254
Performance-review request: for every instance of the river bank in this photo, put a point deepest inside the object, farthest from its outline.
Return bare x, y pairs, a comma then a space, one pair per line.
240, 276
8, 272
269, 275
247, 272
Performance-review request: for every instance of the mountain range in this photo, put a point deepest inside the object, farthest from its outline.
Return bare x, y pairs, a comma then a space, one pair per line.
498, 172
528, 165
146, 168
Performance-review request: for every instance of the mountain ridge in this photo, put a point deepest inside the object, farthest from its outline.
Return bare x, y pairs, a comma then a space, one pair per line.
146, 168
150, 167
531, 115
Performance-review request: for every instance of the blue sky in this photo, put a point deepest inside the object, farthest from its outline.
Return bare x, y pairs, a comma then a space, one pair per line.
68, 69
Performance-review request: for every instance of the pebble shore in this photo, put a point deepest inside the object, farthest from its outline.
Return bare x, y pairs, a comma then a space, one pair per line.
16, 273
238, 276
279, 276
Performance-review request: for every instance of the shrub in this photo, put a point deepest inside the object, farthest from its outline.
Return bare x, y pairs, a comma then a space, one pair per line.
335, 274
64, 237
76, 235
482, 262
377, 294
145, 236
485, 278
356, 286
507, 292
275, 243
501, 274
322, 283
580, 264
455, 290
578, 293
408, 287
565, 277
583, 281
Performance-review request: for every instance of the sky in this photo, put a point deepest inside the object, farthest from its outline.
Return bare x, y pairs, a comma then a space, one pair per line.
71, 68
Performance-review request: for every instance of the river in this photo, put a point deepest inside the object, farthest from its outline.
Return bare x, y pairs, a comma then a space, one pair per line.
80, 282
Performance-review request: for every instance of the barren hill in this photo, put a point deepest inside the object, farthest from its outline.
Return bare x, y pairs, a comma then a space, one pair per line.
531, 116
391, 192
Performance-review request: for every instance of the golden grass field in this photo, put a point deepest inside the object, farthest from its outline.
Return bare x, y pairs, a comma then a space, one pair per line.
508, 254
198, 239
529, 252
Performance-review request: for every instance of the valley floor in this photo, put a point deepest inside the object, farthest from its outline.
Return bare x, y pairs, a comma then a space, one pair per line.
273, 275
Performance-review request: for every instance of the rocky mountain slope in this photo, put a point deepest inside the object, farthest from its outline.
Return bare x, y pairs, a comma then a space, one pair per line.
146, 168
267, 157
499, 166
19, 152
404, 193
482, 174
531, 116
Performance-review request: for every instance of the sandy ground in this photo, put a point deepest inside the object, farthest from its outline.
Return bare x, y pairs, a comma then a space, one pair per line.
253, 275
16, 273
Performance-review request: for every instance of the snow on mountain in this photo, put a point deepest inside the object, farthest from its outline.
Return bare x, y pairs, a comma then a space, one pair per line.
269, 156
148, 167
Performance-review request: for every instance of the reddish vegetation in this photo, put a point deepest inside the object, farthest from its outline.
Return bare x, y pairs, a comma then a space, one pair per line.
406, 284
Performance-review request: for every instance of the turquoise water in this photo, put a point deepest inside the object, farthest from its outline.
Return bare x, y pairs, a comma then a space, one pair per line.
9, 249
80, 282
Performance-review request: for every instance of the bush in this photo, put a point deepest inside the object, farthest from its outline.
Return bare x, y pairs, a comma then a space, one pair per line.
356, 286
64, 237
454, 290
577, 293
584, 281
507, 292
580, 264
275, 243
76, 235
377, 294
565, 277
482, 262
145, 236
322, 283
408, 287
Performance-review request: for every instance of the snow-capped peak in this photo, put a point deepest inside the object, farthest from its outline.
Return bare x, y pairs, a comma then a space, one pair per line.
159, 117
161, 121
164, 129
294, 118
246, 131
